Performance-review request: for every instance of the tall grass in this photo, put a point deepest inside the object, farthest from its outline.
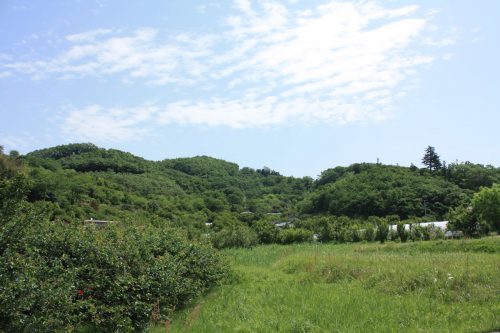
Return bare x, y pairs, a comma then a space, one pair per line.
449, 286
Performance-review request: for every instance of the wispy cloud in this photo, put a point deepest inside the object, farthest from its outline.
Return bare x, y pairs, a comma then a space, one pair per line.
5, 74
97, 124
337, 63
138, 55
340, 62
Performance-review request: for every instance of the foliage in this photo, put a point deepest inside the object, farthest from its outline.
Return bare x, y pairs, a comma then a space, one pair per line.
64, 276
471, 176
266, 232
486, 204
294, 235
58, 152
382, 230
236, 235
378, 190
85, 181
402, 233
9, 167
431, 159
369, 233
59, 277
464, 219
56, 275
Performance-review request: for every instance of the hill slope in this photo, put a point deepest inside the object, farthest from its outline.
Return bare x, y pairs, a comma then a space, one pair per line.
81, 181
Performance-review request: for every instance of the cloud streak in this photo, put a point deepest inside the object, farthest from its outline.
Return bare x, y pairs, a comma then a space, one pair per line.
337, 63
138, 55
97, 124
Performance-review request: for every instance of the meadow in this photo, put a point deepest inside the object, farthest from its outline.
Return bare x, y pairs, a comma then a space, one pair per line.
435, 286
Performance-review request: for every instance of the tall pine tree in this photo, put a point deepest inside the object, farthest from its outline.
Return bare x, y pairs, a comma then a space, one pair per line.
431, 159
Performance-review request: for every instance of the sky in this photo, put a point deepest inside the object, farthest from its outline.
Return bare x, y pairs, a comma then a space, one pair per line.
298, 86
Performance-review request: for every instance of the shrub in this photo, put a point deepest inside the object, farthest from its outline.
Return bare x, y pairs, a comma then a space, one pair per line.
393, 235
237, 235
356, 234
266, 231
56, 277
369, 233
416, 233
382, 231
486, 204
435, 232
464, 219
295, 235
402, 233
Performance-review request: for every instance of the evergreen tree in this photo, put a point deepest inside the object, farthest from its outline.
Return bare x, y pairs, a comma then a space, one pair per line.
431, 159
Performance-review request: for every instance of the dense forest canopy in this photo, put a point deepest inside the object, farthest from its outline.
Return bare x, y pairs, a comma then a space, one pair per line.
79, 181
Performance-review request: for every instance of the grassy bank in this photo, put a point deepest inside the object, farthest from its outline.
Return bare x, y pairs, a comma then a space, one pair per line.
443, 286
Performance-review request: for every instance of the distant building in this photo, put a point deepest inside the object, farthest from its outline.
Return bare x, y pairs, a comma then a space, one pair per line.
438, 224
453, 234
283, 224
208, 224
98, 223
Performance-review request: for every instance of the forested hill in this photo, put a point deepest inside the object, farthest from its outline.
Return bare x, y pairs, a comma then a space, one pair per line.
380, 190
81, 181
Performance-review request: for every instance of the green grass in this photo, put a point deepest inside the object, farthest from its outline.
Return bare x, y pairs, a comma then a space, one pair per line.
442, 286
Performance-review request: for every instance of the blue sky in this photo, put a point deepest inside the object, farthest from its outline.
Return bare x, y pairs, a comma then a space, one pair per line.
299, 86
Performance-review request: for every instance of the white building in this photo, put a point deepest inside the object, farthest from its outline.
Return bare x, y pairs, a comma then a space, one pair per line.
438, 224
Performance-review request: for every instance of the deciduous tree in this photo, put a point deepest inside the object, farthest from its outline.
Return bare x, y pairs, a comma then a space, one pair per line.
486, 203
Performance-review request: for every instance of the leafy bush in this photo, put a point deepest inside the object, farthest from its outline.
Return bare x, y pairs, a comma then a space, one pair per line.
369, 233
266, 231
402, 233
295, 235
486, 204
60, 277
237, 235
464, 219
382, 231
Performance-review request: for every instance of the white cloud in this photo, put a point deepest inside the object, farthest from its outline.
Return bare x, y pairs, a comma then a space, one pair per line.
137, 55
339, 62
98, 124
88, 36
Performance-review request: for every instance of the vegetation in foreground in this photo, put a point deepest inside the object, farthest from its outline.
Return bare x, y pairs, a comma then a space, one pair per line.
436, 286
65, 277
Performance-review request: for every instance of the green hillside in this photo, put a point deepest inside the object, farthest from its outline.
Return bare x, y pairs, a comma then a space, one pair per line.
82, 181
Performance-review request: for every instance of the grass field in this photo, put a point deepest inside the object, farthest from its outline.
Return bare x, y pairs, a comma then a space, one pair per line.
440, 286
